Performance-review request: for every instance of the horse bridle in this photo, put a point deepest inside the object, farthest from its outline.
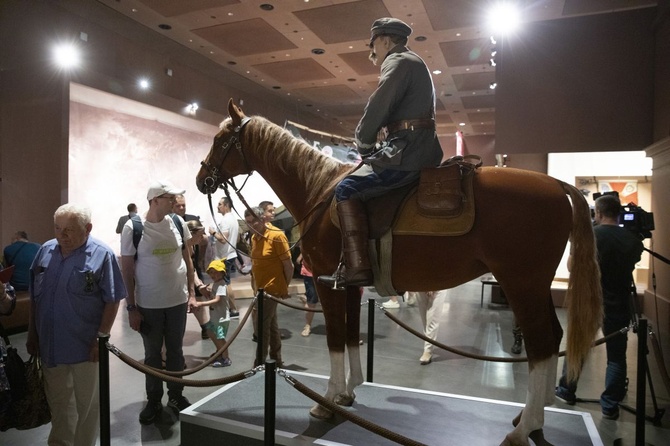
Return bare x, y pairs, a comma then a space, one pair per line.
213, 177
212, 180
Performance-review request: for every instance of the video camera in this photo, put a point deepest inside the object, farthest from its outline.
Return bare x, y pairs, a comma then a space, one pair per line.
633, 217
637, 220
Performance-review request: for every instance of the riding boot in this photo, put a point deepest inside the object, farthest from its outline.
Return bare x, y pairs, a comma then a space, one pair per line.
354, 227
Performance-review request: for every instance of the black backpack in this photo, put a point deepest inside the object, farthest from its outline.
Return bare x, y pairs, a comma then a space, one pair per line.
138, 227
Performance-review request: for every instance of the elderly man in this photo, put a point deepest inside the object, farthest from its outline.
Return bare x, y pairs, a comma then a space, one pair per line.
272, 270
75, 289
159, 275
396, 137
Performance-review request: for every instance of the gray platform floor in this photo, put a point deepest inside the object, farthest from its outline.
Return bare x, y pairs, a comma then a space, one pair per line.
431, 418
464, 325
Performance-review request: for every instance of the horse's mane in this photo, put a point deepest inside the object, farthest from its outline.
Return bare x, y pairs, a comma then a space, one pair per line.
319, 173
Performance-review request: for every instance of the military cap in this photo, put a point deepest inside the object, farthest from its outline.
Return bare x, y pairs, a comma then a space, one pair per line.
389, 25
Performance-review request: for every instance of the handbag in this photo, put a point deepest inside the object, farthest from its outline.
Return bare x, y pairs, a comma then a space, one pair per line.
31, 409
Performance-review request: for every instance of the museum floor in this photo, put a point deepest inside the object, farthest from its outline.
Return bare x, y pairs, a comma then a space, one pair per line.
465, 325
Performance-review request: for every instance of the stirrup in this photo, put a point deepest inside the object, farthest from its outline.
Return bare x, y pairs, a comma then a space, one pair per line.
336, 279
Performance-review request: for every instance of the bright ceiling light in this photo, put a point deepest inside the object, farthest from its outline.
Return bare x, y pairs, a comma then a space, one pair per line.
143, 83
504, 18
67, 55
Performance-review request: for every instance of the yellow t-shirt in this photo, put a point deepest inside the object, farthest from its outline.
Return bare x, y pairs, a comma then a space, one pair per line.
267, 253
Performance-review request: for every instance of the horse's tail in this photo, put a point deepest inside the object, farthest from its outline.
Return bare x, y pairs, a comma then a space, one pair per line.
584, 296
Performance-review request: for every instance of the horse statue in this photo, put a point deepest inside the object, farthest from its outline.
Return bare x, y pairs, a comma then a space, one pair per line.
522, 225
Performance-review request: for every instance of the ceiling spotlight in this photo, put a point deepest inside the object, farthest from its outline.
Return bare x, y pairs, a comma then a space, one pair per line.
67, 55
143, 83
493, 85
192, 108
504, 18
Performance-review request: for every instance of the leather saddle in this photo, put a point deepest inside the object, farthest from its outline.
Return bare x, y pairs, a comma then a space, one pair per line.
440, 204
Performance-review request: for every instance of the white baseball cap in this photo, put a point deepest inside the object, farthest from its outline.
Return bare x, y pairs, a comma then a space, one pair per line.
159, 188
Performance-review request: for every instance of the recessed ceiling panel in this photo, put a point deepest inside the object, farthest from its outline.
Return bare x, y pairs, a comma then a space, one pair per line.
353, 20
482, 117
462, 53
246, 37
360, 63
474, 81
454, 13
488, 129
171, 8
480, 101
295, 71
329, 94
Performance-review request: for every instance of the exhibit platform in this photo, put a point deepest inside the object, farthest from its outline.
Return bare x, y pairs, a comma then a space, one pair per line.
234, 414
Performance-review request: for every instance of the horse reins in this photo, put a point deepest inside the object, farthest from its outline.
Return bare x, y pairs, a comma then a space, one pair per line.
210, 184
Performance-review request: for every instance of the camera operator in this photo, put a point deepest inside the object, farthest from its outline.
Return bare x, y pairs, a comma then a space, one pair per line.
618, 251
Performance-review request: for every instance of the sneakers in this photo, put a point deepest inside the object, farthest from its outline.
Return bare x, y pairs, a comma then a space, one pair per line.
569, 398
222, 362
151, 412
178, 403
234, 314
391, 304
306, 331
611, 414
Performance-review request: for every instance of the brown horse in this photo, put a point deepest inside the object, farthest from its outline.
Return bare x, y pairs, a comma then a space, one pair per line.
523, 221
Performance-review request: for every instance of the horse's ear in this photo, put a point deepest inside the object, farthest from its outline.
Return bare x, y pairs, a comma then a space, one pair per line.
235, 113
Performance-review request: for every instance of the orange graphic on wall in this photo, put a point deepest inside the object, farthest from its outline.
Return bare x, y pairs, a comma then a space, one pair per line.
627, 190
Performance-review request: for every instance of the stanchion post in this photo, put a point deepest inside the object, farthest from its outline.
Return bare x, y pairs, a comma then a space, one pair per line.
371, 338
270, 401
640, 411
260, 299
103, 374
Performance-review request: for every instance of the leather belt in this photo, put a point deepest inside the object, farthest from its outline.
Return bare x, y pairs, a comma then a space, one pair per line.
411, 124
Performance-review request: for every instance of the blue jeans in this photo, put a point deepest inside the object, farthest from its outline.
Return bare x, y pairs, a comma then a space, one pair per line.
364, 187
615, 373
163, 325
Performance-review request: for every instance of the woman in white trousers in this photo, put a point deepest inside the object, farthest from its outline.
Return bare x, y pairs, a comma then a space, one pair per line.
430, 308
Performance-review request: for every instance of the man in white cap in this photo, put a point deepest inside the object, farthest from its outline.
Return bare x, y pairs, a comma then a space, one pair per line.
396, 138
158, 272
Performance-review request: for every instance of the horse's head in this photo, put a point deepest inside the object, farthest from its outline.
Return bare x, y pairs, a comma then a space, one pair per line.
226, 158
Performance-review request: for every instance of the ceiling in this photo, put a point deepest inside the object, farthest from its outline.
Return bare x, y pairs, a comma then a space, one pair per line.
314, 52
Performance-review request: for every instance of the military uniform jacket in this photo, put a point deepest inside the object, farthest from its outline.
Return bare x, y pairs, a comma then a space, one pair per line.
405, 91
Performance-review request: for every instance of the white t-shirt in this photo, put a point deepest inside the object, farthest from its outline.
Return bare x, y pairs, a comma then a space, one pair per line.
224, 223
160, 270
219, 311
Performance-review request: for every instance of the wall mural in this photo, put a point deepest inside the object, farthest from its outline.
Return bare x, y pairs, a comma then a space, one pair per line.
114, 155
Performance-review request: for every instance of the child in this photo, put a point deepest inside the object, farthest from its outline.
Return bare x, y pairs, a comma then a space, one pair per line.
219, 314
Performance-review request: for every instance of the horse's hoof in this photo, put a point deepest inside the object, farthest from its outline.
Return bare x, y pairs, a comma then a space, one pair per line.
345, 400
320, 412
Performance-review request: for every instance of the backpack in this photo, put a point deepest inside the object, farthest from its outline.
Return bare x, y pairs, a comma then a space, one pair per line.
138, 227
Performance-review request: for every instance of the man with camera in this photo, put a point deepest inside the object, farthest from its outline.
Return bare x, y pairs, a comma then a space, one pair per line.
619, 249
